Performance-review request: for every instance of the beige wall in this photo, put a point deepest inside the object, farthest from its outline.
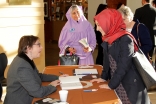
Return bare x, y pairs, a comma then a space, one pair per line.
16, 21
134, 4
92, 7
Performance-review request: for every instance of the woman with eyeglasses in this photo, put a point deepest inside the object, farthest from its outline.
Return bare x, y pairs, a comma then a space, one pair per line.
23, 79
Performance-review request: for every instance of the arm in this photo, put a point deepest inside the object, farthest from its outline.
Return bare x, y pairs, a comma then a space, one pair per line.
145, 39
106, 71
29, 79
91, 38
48, 77
124, 61
63, 41
137, 14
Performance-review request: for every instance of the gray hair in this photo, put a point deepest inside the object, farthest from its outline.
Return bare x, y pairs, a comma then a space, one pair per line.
126, 12
73, 7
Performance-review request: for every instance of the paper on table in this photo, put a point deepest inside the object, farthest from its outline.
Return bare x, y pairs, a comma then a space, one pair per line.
86, 71
70, 82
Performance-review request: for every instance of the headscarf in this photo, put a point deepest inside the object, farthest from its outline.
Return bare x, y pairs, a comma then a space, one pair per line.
112, 24
76, 26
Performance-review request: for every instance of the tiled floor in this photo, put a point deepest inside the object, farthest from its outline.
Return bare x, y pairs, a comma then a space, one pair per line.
51, 57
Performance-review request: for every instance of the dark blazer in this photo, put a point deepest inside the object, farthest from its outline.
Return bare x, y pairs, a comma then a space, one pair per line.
24, 82
147, 16
143, 35
99, 59
122, 51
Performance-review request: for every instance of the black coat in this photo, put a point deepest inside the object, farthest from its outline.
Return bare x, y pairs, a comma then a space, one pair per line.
147, 16
122, 51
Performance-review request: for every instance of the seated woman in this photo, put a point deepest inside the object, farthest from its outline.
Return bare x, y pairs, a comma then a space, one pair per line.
24, 82
137, 29
77, 28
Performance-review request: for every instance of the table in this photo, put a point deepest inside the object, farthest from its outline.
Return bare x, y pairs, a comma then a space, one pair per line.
78, 96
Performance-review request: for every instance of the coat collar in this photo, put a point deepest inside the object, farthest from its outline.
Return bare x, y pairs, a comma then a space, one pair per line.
26, 58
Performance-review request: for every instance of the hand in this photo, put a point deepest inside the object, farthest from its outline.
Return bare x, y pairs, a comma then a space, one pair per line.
98, 80
55, 83
87, 49
72, 50
64, 75
105, 86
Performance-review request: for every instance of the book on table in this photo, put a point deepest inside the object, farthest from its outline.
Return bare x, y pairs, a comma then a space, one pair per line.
70, 82
86, 74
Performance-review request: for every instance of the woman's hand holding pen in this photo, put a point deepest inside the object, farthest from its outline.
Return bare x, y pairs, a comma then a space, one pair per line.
98, 80
62, 74
55, 83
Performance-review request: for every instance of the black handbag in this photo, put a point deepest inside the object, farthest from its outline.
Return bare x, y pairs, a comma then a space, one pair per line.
144, 68
69, 59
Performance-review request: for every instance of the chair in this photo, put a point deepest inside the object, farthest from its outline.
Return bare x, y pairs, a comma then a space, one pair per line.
3, 64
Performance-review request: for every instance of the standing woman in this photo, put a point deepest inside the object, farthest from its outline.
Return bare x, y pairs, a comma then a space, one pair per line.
118, 68
137, 29
24, 82
99, 59
77, 28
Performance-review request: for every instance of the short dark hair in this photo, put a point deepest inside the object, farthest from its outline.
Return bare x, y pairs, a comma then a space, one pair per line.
100, 8
154, 2
147, 1
26, 41
119, 5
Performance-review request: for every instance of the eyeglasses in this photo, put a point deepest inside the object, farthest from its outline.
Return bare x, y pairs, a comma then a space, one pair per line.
39, 44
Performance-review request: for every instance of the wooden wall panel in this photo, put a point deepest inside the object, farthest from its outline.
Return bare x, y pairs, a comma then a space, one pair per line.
114, 3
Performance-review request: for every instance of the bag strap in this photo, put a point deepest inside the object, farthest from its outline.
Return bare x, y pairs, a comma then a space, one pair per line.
138, 35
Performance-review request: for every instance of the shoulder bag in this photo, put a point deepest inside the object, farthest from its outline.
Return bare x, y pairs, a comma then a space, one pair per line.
144, 68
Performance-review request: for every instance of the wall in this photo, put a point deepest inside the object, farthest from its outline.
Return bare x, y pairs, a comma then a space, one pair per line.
92, 7
134, 4
16, 21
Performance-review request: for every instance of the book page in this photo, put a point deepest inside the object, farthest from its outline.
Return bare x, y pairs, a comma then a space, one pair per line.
70, 82
84, 42
69, 79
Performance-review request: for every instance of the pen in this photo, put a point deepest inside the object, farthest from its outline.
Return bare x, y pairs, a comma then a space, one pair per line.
84, 74
61, 72
91, 90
